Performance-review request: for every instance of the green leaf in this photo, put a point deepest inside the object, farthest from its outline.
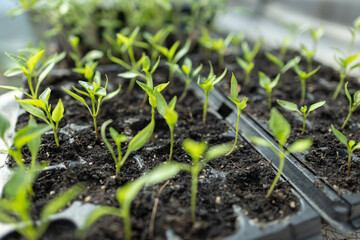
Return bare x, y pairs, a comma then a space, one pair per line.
4, 125
300, 145
356, 23
44, 74
357, 146
312, 72
291, 63
275, 81
58, 112
146, 88
112, 94
141, 138
182, 51
34, 144
161, 86
32, 110
129, 75
161, 104
194, 149
92, 55
218, 151
260, 141
357, 97
242, 63
197, 70
316, 105
242, 104
77, 97
171, 52
28, 133
347, 93
13, 72
234, 87
60, 201
264, 80
275, 60
350, 59
279, 126
88, 86
218, 79
117, 137
18, 184
45, 95
339, 135
35, 102
19, 61
288, 105
34, 59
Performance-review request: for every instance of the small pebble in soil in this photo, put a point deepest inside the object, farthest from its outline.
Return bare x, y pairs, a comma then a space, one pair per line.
113, 176
218, 200
89, 147
87, 199
292, 204
103, 187
90, 163
52, 193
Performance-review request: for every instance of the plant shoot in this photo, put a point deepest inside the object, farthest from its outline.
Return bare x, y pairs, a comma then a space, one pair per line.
268, 85
353, 103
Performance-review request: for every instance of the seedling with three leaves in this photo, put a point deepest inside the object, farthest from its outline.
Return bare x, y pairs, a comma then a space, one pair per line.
189, 75
281, 130
304, 76
304, 111
247, 63
350, 145
268, 85
353, 103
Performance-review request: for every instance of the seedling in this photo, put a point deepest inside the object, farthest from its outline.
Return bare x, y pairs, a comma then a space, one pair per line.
135, 144
207, 84
29, 135
127, 193
350, 145
240, 105
88, 70
308, 53
346, 66
247, 67
268, 85
294, 30
200, 156
304, 111
247, 64
89, 57
281, 130
280, 64
189, 75
352, 104
303, 78
27, 65
97, 95
42, 109
16, 205
353, 31
173, 56
157, 39
169, 114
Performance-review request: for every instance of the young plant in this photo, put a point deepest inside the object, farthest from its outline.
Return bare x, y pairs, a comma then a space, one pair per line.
97, 95
240, 105
127, 193
29, 135
268, 85
200, 156
16, 205
42, 109
157, 39
308, 53
169, 114
34, 75
280, 63
353, 31
247, 64
303, 78
88, 70
207, 84
294, 30
75, 54
346, 66
281, 130
352, 105
350, 145
189, 75
173, 56
304, 111
135, 144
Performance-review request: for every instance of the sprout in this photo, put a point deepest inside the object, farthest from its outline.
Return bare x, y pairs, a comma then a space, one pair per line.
303, 77
97, 95
280, 64
157, 39
88, 70
281, 130
352, 105
353, 31
170, 115
294, 30
247, 64
309, 54
88, 59
350, 145
268, 85
37, 107
304, 112
201, 155
240, 105
207, 84
346, 66
189, 75
35, 76
15, 204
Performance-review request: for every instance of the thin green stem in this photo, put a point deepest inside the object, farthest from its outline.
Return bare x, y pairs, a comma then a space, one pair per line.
221, 60
194, 187
171, 141
205, 107
127, 221
280, 169
304, 124
347, 119
31, 87
339, 86
95, 127
131, 85
269, 99
247, 77
303, 91
56, 136
171, 72
236, 133
349, 163
183, 95
118, 163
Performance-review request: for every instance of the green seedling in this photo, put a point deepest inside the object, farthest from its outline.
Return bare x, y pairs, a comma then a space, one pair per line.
294, 30
247, 63
157, 39
219, 45
88, 70
207, 84
268, 85
346, 66
29, 135
173, 55
135, 144
189, 75
169, 114
303, 78
308, 53
350, 145
127, 193
240, 105
247, 67
281, 130
16, 205
304, 111
79, 61
280, 63
352, 104
41, 108
200, 156
355, 28
34, 75
97, 95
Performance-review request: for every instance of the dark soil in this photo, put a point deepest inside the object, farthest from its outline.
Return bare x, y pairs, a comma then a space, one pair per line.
242, 178
327, 157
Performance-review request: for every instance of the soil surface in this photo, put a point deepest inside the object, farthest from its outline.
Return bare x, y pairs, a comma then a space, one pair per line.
327, 157
240, 179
